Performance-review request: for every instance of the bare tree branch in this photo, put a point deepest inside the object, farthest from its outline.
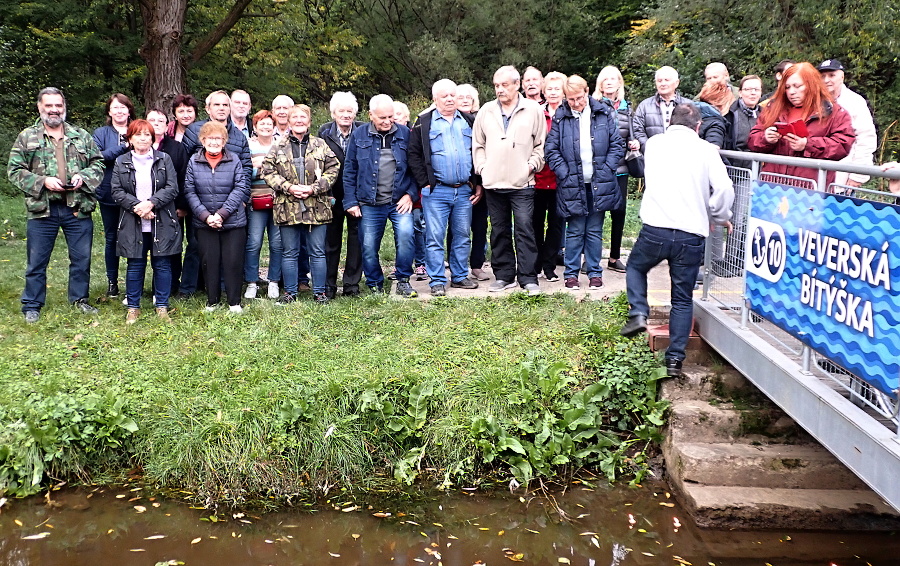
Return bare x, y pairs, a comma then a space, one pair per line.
206, 44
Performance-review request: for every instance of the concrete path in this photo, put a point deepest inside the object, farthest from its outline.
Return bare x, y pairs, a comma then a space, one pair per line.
658, 284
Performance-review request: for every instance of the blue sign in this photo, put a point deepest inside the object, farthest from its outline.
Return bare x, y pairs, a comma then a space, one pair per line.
826, 269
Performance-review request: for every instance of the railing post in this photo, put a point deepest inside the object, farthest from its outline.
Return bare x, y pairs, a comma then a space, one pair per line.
806, 357
823, 180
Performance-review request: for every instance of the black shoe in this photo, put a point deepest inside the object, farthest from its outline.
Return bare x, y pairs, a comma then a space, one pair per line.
404, 289
673, 367
113, 289
438, 291
350, 292
464, 284
635, 325
321, 298
616, 265
285, 299
377, 290
85, 307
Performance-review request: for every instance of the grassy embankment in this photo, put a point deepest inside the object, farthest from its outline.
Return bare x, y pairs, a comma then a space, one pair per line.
292, 402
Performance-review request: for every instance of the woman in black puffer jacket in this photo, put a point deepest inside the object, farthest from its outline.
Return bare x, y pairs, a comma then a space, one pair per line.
217, 190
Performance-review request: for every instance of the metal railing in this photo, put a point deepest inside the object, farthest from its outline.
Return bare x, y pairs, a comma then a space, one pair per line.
724, 276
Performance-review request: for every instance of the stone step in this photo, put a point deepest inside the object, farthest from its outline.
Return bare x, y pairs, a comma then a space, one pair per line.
694, 420
800, 509
773, 466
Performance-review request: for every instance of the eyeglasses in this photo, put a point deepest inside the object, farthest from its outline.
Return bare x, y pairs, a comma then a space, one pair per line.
577, 99
213, 139
751, 90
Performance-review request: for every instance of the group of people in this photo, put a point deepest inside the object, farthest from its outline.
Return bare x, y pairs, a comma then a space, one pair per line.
544, 161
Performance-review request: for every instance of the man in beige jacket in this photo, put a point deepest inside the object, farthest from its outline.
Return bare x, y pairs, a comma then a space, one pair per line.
507, 148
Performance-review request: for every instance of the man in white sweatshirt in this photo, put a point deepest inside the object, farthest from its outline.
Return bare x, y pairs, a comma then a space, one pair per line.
687, 189
866, 138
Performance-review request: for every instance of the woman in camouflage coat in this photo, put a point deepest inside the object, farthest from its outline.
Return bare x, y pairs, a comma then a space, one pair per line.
302, 201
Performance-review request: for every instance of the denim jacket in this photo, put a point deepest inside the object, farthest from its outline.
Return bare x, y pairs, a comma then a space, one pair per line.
361, 167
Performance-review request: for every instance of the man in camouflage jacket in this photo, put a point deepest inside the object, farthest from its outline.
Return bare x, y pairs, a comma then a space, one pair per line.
58, 167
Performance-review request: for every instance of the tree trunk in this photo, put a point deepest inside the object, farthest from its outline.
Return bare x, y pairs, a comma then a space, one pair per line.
163, 32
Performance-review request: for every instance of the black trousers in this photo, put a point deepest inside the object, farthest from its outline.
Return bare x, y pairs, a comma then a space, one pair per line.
548, 230
618, 220
512, 214
334, 238
222, 250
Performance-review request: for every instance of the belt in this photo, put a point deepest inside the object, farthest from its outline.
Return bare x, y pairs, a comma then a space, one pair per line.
453, 186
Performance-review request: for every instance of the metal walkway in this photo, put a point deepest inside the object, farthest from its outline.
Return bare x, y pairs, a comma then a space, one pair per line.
855, 421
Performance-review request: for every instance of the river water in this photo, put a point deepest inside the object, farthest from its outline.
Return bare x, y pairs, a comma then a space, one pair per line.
607, 527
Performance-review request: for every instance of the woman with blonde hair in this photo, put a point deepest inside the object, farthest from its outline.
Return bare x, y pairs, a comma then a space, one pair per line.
610, 90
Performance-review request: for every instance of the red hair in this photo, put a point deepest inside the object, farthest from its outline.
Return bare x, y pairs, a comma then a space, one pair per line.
138, 126
813, 103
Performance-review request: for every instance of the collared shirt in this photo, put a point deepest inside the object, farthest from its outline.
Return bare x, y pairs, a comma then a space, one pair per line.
343, 139
666, 108
584, 142
508, 117
451, 148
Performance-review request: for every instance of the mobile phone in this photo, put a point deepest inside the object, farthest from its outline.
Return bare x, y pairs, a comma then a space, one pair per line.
68, 186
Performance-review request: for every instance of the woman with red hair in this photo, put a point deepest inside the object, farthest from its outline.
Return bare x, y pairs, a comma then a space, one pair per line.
802, 96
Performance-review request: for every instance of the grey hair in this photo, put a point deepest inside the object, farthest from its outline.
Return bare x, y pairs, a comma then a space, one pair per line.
343, 99
471, 90
443, 83
49, 90
665, 70
380, 100
283, 98
511, 71
215, 92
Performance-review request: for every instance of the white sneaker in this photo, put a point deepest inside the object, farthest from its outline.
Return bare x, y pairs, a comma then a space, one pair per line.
274, 293
125, 301
209, 308
250, 293
235, 309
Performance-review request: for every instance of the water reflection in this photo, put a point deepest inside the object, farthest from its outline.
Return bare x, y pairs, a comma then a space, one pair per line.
615, 527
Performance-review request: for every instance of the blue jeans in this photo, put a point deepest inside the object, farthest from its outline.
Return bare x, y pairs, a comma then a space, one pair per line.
584, 235
419, 231
41, 236
315, 236
371, 231
684, 253
137, 268
258, 223
110, 216
447, 207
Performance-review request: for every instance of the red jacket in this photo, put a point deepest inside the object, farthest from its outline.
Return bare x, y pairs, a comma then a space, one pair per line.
830, 140
545, 178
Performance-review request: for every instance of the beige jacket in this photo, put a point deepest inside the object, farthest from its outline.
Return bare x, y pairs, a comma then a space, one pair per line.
502, 158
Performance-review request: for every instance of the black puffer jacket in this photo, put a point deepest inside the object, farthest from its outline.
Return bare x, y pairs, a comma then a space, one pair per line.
648, 119
623, 115
563, 154
165, 227
224, 190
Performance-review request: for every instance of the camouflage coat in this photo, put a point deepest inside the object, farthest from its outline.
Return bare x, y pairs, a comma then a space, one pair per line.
321, 172
33, 159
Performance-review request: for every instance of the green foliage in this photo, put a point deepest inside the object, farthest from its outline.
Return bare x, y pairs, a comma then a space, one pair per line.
751, 39
56, 436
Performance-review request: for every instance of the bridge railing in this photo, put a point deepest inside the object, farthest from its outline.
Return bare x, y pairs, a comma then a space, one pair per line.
725, 275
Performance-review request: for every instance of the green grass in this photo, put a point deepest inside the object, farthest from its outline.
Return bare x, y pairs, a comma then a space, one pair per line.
294, 401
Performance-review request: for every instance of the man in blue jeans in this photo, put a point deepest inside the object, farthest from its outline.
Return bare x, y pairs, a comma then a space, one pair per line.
687, 189
440, 156
58, 167
378, 187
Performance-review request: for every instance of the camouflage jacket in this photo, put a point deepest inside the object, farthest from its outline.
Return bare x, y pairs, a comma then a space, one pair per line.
321, 172
33, 159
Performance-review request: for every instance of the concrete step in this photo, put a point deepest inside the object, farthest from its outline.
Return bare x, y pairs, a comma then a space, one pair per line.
801, 509
695, 420
773, 466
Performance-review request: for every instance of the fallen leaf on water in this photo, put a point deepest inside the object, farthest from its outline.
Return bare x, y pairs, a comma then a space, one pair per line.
595, 542
677, 558
564, 560
533, 531
647, 554
349, 509
381, 514
500, 533
587, 534
664, 504
156, 503
483, 529
37, 536
355, 536
437, 524
140, 508
268, 541
583, 515
137, 550
122, 496
334, 555
517, 557
453, 537
155, 537
110, 531
18, 522
196, 540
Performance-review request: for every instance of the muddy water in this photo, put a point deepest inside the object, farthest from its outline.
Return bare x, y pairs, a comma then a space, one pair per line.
609, 527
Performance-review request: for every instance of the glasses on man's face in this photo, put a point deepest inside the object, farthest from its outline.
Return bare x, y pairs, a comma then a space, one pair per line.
751, 90
577, 99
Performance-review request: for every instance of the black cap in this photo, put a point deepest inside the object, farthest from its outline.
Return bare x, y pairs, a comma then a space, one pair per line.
830, 65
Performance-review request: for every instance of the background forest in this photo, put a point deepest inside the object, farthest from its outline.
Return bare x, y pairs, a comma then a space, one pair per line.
151, 49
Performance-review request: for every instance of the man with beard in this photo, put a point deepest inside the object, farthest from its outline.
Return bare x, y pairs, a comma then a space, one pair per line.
58, 167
